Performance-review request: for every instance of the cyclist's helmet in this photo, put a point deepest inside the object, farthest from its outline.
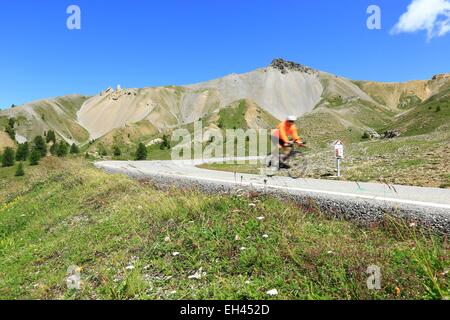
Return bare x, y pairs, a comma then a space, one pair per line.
292, 118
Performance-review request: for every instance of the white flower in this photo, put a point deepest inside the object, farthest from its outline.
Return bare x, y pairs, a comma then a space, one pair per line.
252, 205
198, 275
129, 267
243, 248
272, 292
265, 236
175, 254
330, 252
260, 218
237, 238
247, 282
167, 239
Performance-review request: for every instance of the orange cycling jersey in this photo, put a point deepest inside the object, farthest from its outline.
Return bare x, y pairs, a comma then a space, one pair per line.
285, 130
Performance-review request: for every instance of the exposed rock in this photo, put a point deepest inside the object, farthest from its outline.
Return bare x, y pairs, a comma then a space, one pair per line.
108, 90
390, 134
442, 76
351, 99
286, 66
372, 134
154, 141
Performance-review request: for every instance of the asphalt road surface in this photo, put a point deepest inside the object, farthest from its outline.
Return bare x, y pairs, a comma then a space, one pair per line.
364, 202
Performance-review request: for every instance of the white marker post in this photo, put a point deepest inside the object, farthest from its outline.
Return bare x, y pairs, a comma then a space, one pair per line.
339, 151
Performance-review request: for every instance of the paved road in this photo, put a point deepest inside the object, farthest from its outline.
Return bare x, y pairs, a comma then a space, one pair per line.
417, 203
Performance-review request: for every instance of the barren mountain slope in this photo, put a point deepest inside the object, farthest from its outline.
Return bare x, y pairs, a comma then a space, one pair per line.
280, 94
58, 114
402, 95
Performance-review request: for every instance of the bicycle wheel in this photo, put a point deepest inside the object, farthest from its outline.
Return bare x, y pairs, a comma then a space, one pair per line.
297, 165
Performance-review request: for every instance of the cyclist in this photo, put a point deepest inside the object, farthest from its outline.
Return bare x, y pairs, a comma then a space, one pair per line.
283, 138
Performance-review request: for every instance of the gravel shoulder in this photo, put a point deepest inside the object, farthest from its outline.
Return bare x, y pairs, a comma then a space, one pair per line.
364, 203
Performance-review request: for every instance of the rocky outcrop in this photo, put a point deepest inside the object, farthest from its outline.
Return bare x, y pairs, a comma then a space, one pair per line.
442, 76
286, 66
391, 134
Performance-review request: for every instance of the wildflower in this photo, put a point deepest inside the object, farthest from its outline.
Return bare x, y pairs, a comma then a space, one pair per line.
175, 253
167, 239
260, 218
130, 267
272, 292
198, 275
237, 238
265, 236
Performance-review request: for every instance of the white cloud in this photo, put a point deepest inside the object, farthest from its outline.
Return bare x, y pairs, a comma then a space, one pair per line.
432, 16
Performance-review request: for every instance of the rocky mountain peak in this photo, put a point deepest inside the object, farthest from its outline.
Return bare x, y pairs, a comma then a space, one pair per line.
286, 66
442, 76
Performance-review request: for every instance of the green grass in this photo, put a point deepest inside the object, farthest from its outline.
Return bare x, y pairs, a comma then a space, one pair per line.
68, 213
233, 117
423, 118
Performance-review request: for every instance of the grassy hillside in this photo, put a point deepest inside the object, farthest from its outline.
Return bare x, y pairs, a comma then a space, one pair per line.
123, 235
58, 114
431, 115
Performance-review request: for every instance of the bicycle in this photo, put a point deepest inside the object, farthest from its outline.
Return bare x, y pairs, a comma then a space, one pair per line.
295, 162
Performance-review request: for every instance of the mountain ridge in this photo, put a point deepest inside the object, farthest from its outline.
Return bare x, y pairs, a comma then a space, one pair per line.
280, 89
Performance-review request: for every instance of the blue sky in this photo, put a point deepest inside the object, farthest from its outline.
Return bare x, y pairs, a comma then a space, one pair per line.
139, 43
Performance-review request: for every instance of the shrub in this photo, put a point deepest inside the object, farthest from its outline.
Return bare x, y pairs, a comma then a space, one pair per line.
74, 149
141, 153
20, 172
11, 132
51, 136
8, 157
35, 157
62, 149
165, 144
117, 151
54, 149
12, 122
39, 144
22, 152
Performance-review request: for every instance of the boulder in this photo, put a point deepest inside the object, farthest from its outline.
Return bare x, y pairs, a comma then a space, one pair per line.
391, 134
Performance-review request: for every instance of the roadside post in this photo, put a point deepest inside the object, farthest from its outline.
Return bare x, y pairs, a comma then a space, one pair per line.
339, 152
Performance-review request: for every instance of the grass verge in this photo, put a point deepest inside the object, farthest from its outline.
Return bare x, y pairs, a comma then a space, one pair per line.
133, 241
